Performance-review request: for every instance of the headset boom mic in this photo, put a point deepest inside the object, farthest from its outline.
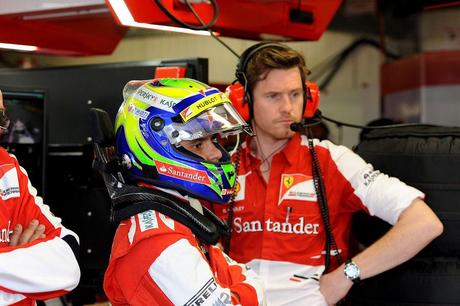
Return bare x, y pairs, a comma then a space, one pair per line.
296, 126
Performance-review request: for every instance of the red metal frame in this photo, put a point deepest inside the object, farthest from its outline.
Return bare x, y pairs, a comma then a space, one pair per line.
85, 35
245, 19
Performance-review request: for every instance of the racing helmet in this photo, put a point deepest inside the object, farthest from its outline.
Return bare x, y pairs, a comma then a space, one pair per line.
156, 116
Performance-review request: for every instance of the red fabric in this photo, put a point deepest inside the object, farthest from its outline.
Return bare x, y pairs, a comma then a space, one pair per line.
20, 205
262, 205
140, 273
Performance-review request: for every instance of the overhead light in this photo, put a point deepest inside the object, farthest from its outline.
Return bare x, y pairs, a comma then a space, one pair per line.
28, 48
126, 19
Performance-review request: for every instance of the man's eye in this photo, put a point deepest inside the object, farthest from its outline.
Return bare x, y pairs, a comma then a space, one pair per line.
198, 145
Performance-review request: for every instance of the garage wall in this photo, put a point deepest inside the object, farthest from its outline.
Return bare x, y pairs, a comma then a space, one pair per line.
353, 95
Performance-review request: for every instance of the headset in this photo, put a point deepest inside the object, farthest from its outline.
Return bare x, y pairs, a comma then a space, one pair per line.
240, 93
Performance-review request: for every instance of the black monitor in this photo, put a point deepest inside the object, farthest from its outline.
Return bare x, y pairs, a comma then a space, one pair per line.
25, 137
73, 90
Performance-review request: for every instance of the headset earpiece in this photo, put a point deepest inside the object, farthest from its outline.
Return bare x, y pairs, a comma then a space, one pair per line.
311, 99
236, 94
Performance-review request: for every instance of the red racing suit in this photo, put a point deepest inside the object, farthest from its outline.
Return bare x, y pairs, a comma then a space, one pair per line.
44, 268
158, 261
277, 227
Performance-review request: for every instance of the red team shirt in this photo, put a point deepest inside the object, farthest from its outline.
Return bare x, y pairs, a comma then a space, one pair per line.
158, 261
45, 268
277, 227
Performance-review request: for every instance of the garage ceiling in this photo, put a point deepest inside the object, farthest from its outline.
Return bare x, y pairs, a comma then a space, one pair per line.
88, 27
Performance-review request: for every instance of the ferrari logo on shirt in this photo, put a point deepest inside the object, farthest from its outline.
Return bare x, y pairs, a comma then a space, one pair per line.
237, 188
288, 181
240, 187
297, 187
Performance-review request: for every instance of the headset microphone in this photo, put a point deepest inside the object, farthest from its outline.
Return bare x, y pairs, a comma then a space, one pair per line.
300, 127
297, 126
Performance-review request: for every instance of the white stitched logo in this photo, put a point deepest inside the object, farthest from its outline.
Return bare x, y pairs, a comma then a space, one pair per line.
297, 187
148, 220
5, 233
9, 184
298, 228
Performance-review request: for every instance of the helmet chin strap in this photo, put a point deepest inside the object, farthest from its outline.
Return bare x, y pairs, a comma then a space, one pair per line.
237, 144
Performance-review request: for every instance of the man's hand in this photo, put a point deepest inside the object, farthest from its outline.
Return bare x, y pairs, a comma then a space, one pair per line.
34, 231
334, 286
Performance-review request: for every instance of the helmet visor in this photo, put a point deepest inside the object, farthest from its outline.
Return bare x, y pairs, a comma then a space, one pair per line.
222, 119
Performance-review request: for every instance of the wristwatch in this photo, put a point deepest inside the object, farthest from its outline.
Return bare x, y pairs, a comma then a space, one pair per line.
351, 271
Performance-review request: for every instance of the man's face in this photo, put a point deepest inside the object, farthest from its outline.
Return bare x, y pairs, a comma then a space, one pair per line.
1, 100
278, 102
203, 147
4, 121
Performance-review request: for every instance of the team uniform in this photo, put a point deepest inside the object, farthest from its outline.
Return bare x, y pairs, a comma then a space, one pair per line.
158, 261
44, 268
277, 227
166, 141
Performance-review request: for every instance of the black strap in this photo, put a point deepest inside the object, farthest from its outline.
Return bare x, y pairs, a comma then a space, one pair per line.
207, 226
323, 205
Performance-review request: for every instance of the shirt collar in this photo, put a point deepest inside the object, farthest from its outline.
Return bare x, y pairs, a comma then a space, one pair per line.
289, 152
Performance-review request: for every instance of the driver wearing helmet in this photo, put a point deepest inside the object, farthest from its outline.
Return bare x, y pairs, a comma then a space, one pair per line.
167, 133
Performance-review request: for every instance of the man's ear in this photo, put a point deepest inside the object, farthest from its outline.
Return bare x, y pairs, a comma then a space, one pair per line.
1, 99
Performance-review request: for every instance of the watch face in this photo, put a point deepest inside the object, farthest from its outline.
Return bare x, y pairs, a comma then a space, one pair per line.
351, 271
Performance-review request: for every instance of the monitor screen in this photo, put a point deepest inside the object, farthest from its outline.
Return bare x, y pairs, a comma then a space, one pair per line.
25, 111
25, 135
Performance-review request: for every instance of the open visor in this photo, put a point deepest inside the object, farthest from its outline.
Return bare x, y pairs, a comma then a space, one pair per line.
222, 119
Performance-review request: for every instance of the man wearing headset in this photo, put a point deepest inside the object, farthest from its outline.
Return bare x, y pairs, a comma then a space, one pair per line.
278, 227
167, 134
38, 255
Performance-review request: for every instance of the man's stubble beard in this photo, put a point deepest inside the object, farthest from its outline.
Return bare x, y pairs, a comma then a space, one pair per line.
284, 134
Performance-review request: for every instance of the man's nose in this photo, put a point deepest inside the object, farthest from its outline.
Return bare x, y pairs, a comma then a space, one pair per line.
212, 152
286, 104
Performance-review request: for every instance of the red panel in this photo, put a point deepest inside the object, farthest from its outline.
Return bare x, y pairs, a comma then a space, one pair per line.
425, 69
70, 36
169, 72
400, 75
442, 68
246, 19
253, 18
147, 11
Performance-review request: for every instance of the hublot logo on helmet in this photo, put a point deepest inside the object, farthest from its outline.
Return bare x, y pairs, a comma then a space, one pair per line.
206, 102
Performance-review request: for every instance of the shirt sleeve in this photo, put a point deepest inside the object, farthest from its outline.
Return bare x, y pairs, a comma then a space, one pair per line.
158, 261
186, 278
242, 281
384, 196
44, 268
